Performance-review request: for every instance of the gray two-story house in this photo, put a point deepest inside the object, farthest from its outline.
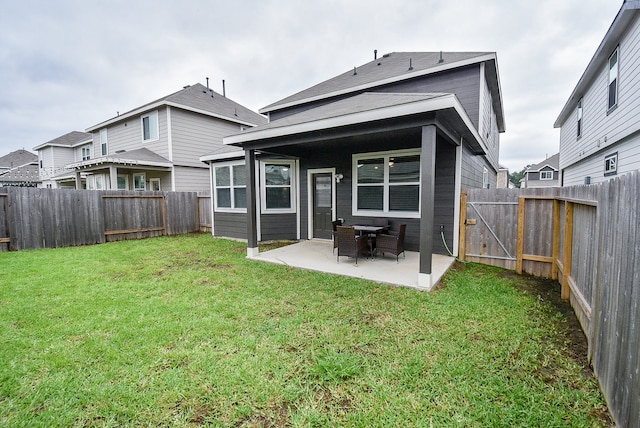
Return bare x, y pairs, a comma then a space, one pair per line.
152, 147
397, 138
599, 124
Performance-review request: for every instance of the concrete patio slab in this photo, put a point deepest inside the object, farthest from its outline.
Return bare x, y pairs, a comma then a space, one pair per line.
318, 255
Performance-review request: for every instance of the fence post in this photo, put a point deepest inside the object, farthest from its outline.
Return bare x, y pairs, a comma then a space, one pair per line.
462, 248
520, 236
568, 246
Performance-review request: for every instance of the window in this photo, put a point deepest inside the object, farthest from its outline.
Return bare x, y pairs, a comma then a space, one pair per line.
86, 153
485, 178
139, 181
546, 175
278, 189
613, 79
230, 183
579, 113
611, 164
386, 183
154, 183
103, 141
123, 182
150, 127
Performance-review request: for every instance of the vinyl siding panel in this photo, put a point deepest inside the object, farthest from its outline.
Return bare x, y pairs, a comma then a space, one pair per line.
54, 160
190, 179
194, 135
230, 225
593, 166
472, 170
602, 130
488, 129
277, 226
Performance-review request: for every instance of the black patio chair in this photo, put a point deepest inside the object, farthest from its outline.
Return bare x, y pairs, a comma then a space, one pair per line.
335, 224
349, 244
392, 243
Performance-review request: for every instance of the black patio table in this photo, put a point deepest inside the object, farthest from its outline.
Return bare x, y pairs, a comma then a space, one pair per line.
371, 232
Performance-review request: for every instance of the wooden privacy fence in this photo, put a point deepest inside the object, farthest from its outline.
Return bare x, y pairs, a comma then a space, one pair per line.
33, 218
587, 238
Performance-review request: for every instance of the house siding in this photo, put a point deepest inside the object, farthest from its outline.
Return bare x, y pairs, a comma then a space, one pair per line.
54, 160
190, 179
277, 226
473, 169
488, 129
194, 135
603, 130
230, 225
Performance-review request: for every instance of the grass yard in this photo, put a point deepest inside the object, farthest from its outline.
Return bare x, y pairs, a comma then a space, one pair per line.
184, 331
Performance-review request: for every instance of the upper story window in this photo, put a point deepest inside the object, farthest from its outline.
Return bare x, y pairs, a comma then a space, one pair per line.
579, 117
613, 78
150, 126
485, 178
278, 192
103, 142
546, 175
387, 183
86, 153
230, 184
611, 164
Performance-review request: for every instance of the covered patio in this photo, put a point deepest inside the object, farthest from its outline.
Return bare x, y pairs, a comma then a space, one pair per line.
317, 255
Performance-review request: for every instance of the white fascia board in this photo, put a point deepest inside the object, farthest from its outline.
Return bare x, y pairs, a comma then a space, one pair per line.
221, 156
80, 143
154, 106
118, 161
407, 76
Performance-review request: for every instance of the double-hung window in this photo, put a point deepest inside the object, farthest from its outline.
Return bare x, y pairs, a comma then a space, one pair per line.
579, 118
230, 184
103, 142
546, 175
278, 192
387, 183
613, 79
86, 153
139, 181
150, 126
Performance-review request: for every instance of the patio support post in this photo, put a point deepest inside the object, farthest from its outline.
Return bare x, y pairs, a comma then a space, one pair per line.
252, 230
78, 181
113, 177
427, 190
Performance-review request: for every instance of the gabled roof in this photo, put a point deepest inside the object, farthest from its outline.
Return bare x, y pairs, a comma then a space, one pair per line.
363, 108
552, 162
72, 139
27, 173
196, 98
396, 67
17, 158
618, 27
141, 157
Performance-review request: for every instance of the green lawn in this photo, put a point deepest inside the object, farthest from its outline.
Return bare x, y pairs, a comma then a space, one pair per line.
184, 331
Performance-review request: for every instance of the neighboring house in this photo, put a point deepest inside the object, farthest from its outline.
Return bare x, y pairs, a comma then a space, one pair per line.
543, 174
54, 157
19, 168
503, 181
399, 138
600, 122
156, 146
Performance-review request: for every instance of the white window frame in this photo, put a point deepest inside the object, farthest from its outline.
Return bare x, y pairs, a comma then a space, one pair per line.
385, 192
85, 153
614, 78
611, 164
152, 183
144, 181
546, 175
292, 186
485, 178
126, 182
231, 186
152, 118
104, 148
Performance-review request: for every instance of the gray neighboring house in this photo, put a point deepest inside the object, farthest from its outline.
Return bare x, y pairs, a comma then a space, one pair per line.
543, 174
600, 122
397, 138
19, 168
153, 147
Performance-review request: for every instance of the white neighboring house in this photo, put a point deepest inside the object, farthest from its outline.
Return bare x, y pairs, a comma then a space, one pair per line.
600, 122
543, 174
156, 146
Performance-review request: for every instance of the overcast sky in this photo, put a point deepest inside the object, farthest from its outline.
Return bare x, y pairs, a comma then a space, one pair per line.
67, 65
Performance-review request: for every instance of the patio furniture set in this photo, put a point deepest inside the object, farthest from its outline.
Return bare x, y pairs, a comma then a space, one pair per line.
370, 239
